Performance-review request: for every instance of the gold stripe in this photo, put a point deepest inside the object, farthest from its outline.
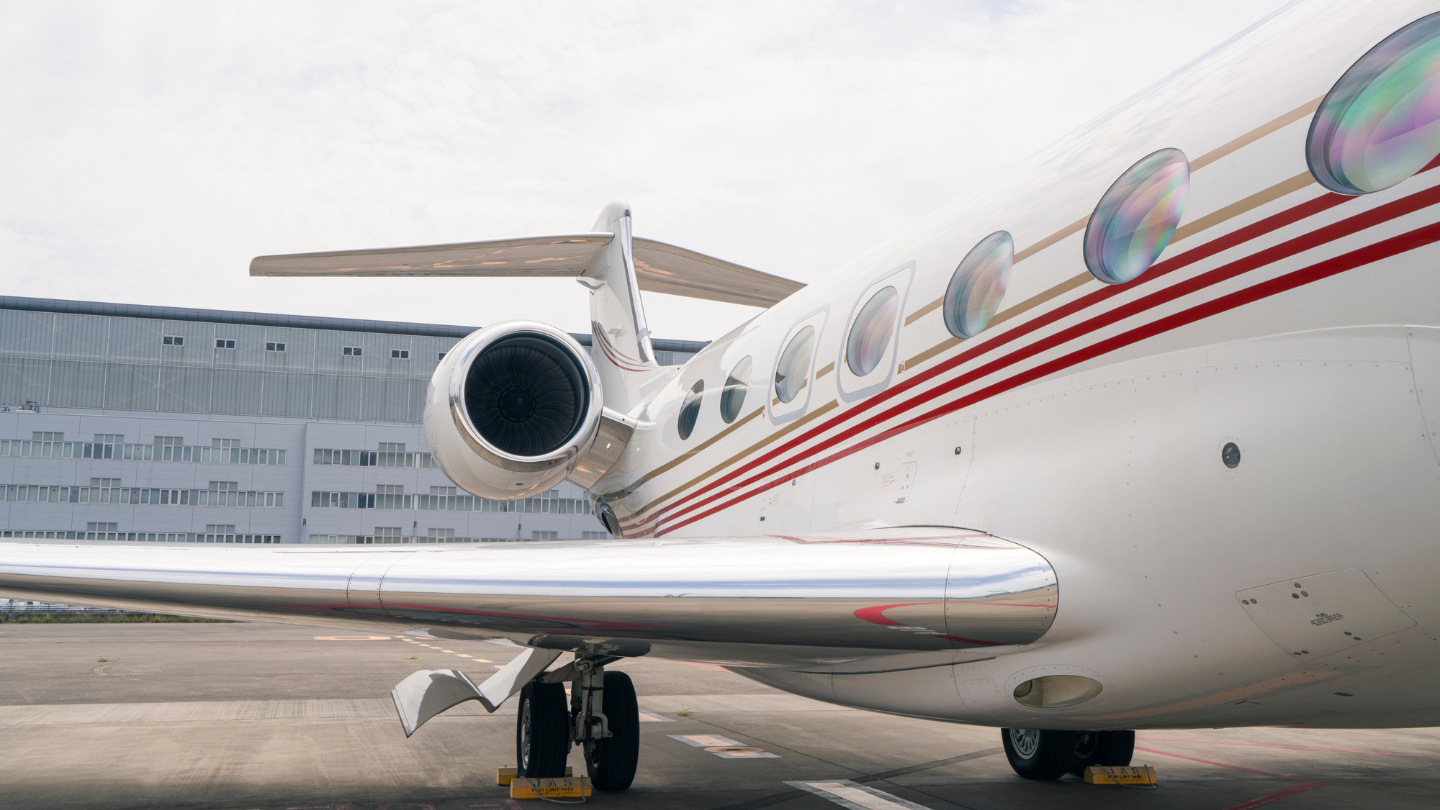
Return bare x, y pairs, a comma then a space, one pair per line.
1231, 211
949, 343
785, 431
1256, 134
1239, 207
826, 370
925, 310
705, 445
1195, 165
1069, 230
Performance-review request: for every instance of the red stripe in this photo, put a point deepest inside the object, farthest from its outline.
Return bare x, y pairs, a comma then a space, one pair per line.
1270, 255
1316, 272
1220, 244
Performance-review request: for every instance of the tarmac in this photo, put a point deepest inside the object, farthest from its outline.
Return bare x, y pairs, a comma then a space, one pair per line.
260, 716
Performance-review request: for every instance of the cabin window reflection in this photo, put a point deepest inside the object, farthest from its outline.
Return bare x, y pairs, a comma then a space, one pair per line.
732, 396
690, 410
978, 286
794, 365
870, 335
1135, 219
1380, 123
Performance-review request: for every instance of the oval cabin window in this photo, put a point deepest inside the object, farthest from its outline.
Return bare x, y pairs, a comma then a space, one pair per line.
690, 410
978, 285
732, 396
794, 365
870, 335
1381, 122
1136, 218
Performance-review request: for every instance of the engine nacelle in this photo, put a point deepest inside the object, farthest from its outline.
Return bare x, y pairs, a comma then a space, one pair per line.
512, 409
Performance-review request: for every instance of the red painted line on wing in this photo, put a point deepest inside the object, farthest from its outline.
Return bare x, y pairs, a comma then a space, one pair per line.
1222, 243
876, 615
1348, 261
1294, 747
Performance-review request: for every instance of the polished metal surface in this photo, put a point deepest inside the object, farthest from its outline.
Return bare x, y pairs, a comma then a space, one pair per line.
761, 601
614, 436
473, 462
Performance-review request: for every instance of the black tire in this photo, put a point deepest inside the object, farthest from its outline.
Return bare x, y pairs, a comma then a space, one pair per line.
612, 761
1113, 748
1039, 754
542, 732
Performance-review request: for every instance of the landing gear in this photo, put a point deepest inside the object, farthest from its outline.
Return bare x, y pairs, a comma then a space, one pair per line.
542, 736
611, 761
1101, 748
1046, 755
1040, 754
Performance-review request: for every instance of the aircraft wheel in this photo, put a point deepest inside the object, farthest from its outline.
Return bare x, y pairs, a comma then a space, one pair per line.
542, 736
1112, 748
612, 761
1039, 754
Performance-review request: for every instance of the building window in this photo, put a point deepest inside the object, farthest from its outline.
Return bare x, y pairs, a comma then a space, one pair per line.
224, 343
351, 351
440, 357
594, 535
274, 347
978, 285
47, 437
544, 535
399, 354
173, 340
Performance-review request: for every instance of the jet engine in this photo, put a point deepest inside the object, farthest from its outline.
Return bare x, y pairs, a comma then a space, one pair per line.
512, 409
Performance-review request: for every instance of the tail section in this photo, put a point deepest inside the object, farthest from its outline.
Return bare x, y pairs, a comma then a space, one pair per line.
623, 354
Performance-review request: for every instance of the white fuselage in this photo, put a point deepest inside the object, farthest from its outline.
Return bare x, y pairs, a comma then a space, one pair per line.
1087, 422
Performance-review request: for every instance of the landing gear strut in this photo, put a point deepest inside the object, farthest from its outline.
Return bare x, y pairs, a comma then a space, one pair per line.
1045, 755
603, 718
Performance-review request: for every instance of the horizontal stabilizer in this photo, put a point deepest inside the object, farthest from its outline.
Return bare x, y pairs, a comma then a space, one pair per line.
538, 256
659, 267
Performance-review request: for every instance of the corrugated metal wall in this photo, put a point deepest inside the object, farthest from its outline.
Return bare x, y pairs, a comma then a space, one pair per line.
95, 361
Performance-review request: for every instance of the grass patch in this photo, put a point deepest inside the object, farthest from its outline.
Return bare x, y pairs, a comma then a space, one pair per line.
103, 618
684, 712
411, 658
103, 660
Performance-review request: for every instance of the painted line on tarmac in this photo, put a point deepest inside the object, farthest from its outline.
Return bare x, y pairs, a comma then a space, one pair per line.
1302, 786
1293, 747
856, 797
723, 747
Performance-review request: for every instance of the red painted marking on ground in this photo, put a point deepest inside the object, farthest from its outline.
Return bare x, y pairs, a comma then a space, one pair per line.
1303, 785
1294, 747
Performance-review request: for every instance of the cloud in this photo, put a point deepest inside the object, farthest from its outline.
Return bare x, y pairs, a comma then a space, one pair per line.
151, 149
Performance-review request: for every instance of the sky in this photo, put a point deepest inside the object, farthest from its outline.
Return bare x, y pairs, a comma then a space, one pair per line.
151, 149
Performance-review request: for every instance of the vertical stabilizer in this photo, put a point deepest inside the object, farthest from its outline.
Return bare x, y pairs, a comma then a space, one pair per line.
623, 354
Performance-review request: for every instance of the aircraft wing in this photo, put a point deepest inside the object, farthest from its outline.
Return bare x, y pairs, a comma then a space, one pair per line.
754, 601
659, 267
